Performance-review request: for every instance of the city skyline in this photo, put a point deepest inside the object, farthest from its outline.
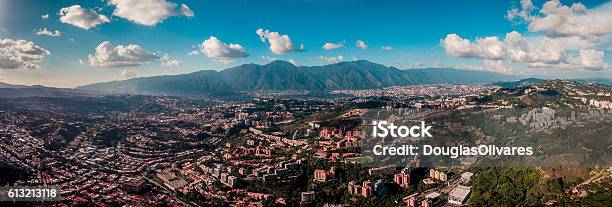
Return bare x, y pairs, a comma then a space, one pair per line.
68, 44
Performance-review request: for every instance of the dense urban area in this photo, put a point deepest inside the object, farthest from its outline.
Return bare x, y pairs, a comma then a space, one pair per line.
292, 148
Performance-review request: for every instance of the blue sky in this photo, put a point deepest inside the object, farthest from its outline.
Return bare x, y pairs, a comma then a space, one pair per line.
413, 31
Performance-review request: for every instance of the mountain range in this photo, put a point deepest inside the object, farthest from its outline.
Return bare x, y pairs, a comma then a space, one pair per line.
282, 75
21, 91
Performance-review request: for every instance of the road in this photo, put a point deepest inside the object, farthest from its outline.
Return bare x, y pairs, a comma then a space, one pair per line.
184, 203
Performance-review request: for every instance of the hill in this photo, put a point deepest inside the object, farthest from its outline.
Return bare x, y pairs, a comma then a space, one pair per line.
519, 83
20, 91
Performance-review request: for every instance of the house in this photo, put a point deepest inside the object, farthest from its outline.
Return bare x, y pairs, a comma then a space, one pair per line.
412, 200
466, 177
366, 189
307, 197
402, 179
321, 175
438, 175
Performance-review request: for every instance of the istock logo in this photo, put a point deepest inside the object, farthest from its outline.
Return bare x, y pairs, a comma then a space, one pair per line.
401, 131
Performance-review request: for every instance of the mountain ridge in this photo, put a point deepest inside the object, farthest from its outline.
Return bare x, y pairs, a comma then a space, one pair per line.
282, 75
22, 91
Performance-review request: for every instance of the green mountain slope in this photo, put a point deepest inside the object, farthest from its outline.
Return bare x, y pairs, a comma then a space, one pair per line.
282, 75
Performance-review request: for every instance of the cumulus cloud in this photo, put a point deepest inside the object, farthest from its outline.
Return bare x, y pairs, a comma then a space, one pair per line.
126, 74
120, 56
219, 51
44, 31
489, 65
561, 21
521, 50
585, 59
332, 46
387, 48
82, 17
45, 16
514, 46
523, 14
214, 48
558, 20
166, 61
560, 36
279, 44
488, 47
535, 51
590, 59
21, 54
563, 52
332, 59
149, 12
361, 44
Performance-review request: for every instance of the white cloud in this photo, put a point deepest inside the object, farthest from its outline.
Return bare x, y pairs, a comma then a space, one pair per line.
292, 61
332, 59
496, 65
127, 74
45, 16
558, 20
418, 64
554, 52
561, 36
81, 17
279, 44
361, 44
120, 56
522, 50
585, 59
149, 12
186, 11
533, 51
268, 58
489, 65
194, 52
387, 48
522, 14
166, 61
21, 54
214, 48
589, 59
332, 46
44, 31
488, 47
